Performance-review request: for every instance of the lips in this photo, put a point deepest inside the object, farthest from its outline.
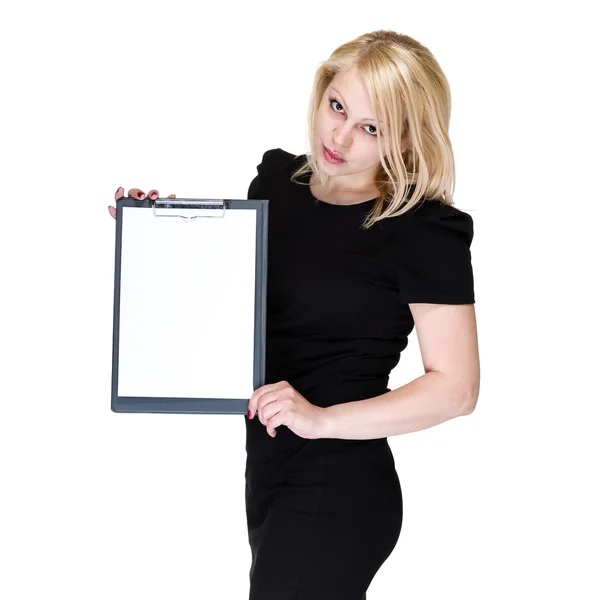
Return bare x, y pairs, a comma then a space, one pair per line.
334, 154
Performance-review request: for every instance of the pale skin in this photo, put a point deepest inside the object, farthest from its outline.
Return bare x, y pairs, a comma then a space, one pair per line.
133, 193
447, 334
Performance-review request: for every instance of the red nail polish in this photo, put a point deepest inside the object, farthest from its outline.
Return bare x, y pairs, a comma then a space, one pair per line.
249, 415
140, 194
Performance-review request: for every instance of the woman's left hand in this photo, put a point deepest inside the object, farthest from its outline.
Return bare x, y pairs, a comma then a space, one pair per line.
280, 404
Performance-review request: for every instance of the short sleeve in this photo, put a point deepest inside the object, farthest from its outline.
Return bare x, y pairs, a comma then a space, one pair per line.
431, 255
258, 188
254, 187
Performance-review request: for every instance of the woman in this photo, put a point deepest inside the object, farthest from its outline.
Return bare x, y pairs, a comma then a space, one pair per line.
364, 245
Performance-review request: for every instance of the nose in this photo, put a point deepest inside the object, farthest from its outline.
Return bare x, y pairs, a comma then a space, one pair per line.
343, 136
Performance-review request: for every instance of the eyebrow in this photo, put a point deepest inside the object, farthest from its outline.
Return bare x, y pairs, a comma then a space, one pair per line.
364, 118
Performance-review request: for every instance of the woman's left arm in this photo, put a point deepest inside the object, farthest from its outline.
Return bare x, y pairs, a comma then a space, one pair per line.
447, 335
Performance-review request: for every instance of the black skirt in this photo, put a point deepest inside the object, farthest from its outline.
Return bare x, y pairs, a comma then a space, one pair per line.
322, 519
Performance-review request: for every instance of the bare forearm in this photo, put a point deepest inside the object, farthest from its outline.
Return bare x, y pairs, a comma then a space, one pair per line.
424, 402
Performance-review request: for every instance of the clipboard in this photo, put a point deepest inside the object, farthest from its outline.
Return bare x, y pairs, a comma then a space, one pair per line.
190, 289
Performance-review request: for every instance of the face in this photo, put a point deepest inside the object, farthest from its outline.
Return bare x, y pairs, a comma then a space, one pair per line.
346, 125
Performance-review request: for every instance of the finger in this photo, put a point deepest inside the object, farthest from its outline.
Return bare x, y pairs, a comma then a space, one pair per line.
264, 395
119, 193
252, 404
136, 193
153, 194
113, 212
266, 403
171, 196
256, 396
271, 426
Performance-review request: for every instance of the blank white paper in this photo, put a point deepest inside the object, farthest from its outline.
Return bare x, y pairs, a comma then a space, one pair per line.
187, 305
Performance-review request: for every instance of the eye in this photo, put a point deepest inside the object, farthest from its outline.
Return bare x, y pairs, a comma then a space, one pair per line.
333, 100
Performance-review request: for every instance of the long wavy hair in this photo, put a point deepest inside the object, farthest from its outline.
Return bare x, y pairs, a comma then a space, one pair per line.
407, 86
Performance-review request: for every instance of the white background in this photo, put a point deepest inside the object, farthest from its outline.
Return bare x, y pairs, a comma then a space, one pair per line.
186, 97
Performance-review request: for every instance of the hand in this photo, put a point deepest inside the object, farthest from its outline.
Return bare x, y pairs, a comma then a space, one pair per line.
133, 193
280, 404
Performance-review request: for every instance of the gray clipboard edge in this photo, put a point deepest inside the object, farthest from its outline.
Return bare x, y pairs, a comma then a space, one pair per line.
197, 405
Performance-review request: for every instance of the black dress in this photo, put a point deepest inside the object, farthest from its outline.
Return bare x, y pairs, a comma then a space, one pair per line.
323, 515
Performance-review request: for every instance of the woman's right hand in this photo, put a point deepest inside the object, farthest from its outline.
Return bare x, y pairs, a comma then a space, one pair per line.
133, 193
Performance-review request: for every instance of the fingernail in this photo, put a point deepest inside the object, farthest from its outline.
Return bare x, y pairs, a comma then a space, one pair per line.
249, 415
140, 194
117, 190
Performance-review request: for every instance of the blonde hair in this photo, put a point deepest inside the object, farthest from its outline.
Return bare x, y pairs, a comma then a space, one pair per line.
406, 84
